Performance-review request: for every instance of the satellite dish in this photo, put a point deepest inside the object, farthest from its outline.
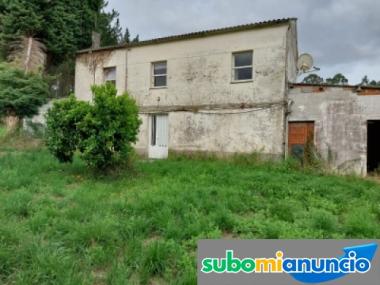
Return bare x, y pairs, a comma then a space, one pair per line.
305, 62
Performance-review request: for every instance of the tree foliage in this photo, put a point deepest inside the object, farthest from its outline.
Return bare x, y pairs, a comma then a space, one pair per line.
64, 26
126, 38
62, 134
21, 94
102, 131
337, 79
313, 79
367, 82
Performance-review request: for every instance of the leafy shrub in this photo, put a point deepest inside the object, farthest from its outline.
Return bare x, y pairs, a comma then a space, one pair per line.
102, 131
21, 94
62, 133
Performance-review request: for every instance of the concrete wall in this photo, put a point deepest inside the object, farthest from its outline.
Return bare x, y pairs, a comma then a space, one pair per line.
89, 71
200, 70
38, 122
340, 115
200, 77
239, 131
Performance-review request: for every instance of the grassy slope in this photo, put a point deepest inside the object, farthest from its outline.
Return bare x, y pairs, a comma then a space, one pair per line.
60, 224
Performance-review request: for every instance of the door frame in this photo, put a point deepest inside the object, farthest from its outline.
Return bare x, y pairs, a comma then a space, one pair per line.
368, 148
154, 151
288, 153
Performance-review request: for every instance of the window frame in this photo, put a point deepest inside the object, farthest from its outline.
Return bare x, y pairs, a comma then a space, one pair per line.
105, 77
234, 68
153, 76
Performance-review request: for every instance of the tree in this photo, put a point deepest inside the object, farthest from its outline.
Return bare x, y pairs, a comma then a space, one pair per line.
313, 79
21, 94
367, 82
136, 39
64, 26
337, 79
374, 83
111, 34
126, 37
102, 132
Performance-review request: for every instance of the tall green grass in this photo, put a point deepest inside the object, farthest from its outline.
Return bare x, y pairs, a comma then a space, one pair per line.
61, 224
2, 130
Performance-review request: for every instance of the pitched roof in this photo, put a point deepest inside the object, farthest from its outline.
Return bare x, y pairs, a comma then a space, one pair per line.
199, 34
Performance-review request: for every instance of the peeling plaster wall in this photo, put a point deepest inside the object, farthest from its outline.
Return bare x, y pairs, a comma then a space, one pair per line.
85, 77
200, 70
233, 133
340, 116
200, 73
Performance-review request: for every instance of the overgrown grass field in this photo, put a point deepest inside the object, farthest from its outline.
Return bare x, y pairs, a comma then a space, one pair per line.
61, 224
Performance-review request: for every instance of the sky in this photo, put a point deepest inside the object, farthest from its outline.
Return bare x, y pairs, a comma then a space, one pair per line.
341, 35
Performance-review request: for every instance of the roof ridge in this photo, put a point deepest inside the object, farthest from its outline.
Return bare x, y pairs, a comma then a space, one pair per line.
197, 34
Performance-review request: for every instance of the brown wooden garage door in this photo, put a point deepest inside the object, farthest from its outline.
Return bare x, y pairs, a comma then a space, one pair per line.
299, 134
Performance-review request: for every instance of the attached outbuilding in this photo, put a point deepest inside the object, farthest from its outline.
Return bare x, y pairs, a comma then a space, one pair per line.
342, 121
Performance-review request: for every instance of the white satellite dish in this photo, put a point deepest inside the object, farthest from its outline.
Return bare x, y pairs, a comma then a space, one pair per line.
305, 62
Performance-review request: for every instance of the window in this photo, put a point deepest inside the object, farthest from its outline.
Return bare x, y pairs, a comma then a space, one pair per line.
159, 73
109, 74
242, 65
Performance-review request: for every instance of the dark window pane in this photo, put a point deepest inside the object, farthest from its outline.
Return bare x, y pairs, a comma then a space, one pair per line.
243, 59
153, 138
243, 73
159, 81
109, 73
159, 68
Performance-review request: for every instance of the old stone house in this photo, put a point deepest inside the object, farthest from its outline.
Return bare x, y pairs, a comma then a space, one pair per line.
229, 90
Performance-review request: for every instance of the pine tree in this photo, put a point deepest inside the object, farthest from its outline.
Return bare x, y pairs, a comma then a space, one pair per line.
21, 94
136, 39
64, 26
126, 37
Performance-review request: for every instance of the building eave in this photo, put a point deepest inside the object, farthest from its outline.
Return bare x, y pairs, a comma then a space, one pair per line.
194, 35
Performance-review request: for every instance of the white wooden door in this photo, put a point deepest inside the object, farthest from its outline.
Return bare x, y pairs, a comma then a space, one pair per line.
159, 136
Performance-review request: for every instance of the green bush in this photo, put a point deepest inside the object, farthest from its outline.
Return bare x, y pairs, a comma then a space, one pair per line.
21, 94
63, 134
102, 131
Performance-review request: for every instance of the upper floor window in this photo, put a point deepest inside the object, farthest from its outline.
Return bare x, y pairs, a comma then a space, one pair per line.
242, 65
159, 74
109, 74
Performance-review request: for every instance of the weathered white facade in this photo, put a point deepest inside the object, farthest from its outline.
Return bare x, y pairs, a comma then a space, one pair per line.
206, 109
202, 103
